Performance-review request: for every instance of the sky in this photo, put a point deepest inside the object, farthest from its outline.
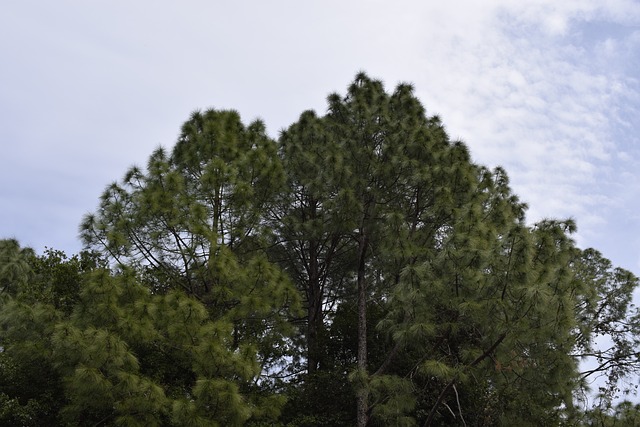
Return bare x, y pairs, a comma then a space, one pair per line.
548, 89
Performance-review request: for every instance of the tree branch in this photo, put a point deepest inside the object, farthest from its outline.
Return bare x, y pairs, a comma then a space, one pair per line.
452, 382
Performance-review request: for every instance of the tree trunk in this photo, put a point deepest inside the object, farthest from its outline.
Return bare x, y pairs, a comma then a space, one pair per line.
314, 311
363, 391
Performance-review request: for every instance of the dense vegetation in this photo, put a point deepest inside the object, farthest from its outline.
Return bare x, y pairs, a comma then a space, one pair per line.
360, 270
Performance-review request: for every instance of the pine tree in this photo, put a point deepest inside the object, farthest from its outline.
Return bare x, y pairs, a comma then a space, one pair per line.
125, 356
390, 186
439, 244
311, 245
195, 221
606, 333
14, 266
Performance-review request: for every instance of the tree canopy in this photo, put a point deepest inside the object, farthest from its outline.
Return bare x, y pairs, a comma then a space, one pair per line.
360, 269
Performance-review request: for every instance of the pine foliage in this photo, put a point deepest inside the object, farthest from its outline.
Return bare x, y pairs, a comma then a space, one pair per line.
359, 270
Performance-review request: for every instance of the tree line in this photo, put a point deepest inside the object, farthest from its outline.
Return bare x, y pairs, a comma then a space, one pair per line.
360, 269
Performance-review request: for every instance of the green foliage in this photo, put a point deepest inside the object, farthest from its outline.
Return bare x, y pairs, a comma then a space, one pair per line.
116, 356
605, 312
624, 414
14, 266
194, 221
324, 398
473, 299
361, 258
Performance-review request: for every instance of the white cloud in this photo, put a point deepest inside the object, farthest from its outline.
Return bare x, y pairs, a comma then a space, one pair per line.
530, 99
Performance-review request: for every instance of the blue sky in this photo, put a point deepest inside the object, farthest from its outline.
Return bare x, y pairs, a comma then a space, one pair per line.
547, 89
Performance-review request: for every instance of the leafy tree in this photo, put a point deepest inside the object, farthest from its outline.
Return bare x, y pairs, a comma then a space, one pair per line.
195, 222
31, 390
354, 172
125, 356
395, 188
607, 332
14, 266
474, 301
311, 235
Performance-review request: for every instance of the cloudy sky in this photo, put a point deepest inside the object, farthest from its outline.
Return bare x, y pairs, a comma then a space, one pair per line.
548, 89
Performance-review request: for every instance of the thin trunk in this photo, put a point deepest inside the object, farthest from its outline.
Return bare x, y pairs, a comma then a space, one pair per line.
314, 311
215, 223
363, 392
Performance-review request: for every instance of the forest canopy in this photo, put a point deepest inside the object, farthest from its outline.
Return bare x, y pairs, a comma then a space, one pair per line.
360, 269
